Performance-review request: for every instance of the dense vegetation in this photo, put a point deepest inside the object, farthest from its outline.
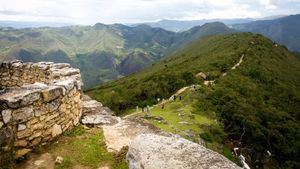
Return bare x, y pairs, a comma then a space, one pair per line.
102, 52
283, 30
258, 102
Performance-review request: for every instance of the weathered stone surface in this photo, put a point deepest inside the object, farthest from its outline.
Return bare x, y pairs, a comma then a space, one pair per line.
148, 151
68, 84
40, 100
91, 105
6, 115
21, 143
59, 160
36, 141
18, 97
52, 93
99, 119
22, 152
23, 114
122, 133
21, 127
24, 133
61, 65
56, 130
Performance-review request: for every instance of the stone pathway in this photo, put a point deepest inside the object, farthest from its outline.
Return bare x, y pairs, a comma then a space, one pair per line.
122, 133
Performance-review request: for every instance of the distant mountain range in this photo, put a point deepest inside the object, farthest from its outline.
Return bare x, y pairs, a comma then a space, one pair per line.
106, 52
183, 25
102, 52
284, 30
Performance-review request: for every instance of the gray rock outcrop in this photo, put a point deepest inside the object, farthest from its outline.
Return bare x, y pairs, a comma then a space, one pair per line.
93, 113
151, 151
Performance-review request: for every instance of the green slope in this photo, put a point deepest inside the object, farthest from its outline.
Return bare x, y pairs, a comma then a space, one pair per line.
258, 102
127, 49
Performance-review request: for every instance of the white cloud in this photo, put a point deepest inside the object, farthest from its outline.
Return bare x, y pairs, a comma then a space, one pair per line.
112, 11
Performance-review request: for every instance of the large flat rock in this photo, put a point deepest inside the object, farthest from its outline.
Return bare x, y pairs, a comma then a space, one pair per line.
122, 133
151, 151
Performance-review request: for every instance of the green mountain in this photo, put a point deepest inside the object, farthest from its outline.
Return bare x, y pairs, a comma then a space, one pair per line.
102, 52
284, 30
257, 102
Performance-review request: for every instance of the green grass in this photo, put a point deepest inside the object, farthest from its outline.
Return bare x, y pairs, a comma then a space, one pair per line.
81, 147
200, 123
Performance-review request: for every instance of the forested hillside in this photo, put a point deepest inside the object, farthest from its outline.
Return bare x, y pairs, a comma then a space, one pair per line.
258, 102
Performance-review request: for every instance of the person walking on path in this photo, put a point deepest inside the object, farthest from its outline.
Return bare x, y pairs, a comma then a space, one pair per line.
148, 109
174, 97
163, 104
180, 98
137, 108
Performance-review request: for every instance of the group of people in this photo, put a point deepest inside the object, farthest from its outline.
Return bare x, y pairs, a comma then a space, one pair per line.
147, 108
163, 103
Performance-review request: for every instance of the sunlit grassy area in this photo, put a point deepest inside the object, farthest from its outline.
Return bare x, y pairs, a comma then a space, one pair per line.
85, 148
179, 117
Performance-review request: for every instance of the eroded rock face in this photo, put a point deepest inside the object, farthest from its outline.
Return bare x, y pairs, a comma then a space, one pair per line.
151, 151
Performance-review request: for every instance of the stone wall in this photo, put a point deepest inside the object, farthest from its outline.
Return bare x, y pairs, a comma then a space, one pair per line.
38, 101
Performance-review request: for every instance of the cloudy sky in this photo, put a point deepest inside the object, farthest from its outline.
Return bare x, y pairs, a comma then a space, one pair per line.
131, 11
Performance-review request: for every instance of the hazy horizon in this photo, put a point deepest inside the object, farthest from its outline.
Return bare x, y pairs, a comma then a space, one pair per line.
89, 12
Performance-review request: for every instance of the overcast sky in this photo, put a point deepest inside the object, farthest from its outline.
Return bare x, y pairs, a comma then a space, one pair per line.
131, 11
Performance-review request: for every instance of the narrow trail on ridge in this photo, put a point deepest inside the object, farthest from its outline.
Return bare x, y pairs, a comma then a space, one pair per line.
178, 92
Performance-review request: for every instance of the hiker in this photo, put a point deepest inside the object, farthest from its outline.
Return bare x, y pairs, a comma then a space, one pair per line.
163, 104
137, 108
148, 108
174, 97
179, 97
158, 99
143, 109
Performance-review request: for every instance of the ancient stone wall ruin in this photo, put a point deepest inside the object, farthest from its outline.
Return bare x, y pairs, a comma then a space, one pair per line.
38, 101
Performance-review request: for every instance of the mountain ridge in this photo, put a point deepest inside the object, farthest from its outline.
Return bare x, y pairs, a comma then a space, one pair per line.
93, 48
283, 30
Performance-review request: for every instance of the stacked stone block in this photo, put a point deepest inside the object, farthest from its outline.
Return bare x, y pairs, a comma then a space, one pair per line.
38, 101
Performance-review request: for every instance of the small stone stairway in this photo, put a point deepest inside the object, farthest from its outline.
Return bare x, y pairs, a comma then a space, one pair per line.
93, 113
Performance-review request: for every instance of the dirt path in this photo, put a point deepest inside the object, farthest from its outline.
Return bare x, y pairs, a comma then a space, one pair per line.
206, 82
239, 63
